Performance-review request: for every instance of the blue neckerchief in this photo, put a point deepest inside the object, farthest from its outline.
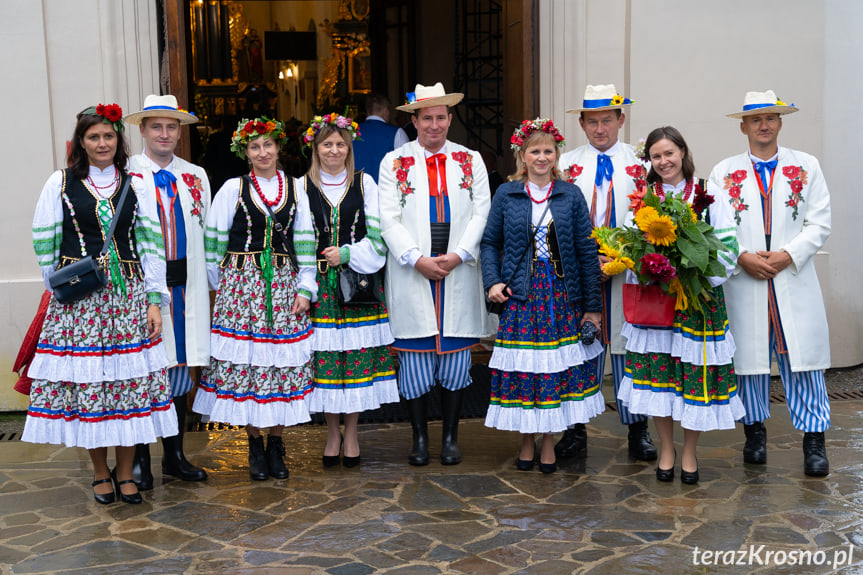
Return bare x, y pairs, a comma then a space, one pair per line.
165, 179
604, 169
764, 170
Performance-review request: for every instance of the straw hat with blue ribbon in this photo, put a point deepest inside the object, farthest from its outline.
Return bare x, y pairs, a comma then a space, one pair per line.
763, 103
428, 96
601, 97
161, 107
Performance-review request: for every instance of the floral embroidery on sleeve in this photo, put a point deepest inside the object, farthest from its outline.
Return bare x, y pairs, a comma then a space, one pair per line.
465, 163
401, 166
732, 184
797, 178
195, 188
573, 172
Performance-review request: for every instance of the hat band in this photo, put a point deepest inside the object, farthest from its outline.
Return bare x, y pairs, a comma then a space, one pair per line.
148, 108
587, 104
748, 107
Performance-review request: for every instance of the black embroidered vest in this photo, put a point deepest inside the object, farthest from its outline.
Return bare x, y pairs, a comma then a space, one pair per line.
350, 210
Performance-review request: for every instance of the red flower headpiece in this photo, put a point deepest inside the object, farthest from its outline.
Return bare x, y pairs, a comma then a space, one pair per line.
528, 127
111, 114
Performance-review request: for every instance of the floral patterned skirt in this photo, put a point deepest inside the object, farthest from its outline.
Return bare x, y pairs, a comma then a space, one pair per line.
354, 369
260, 374
541, 379
685, 371
99, 381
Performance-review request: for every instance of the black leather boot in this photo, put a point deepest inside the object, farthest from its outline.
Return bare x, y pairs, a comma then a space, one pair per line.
418, 412
276, 457
142, 475
640, 445
755, 449
815, 462
257, 460
174, 461
573, 443
451, 402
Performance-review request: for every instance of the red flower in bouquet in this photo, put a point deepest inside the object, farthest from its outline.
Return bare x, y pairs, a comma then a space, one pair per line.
658, 266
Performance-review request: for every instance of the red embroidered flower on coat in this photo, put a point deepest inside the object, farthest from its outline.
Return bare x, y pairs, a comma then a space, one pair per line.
464, 160
401, 167
797, 178
573, 172
195, 189
732, 184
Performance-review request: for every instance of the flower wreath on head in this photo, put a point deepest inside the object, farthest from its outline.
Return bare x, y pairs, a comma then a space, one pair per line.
248, 130
333, 119
111, 114
528, 127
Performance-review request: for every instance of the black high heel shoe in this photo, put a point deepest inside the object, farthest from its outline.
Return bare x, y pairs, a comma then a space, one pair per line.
548, 467
689, 477
134, 498
525, 464
333, 460
103, 498
666, 474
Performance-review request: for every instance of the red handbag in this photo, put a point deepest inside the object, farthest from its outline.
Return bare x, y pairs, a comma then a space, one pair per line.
648, 305
28, 346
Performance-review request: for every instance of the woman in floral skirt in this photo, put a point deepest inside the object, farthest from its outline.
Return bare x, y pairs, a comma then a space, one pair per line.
99, 369
353, 366
260, 372
541, 382
666, 367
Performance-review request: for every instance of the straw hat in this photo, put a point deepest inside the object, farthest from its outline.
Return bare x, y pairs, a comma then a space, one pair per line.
162, 107
428, 96
601, 97
763, 103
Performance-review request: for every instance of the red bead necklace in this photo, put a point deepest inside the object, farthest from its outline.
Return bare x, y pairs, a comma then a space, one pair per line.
534, 200
261, 194
687, 190
337, 183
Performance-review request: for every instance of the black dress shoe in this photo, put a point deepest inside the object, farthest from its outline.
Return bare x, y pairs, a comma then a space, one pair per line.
573, 443
350, 461
257, 459
524, 464
689, 477
815, 462
640, 445
755, 449
548, 467
666, 474
103, 498
333, 460
276, 457
134, 498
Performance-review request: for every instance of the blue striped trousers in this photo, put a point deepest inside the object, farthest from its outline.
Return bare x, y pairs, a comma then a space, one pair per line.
805, 393
181, 380
418, 372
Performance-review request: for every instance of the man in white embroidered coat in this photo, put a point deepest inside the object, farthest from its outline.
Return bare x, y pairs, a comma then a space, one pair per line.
182, 192
434, 202
782, 210
607, 171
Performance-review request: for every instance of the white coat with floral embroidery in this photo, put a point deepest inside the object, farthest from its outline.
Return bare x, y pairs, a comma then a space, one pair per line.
801, 235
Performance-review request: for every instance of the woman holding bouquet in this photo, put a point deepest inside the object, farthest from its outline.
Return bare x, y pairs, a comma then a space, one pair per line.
683, 372
537, 257
353, 367
260, 372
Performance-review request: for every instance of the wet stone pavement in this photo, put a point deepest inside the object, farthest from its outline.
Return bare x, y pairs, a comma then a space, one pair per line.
603, 514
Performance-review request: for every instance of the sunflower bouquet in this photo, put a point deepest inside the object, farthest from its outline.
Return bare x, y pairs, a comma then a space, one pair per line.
665, 242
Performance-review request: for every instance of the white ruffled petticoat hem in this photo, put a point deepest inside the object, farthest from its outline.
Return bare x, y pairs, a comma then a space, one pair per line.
670, 404
107, 433
543, 360
353, 400
98, 369
645, 340
250, 412
349, 339
245, 352
545, 420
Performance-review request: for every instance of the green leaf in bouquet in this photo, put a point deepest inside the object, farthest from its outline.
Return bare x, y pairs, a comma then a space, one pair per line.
697, 253
716, 269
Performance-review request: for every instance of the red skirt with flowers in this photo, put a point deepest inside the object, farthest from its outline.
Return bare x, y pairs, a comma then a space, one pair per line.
541, 380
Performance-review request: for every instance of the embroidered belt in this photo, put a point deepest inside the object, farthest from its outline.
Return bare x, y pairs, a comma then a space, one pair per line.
439, 237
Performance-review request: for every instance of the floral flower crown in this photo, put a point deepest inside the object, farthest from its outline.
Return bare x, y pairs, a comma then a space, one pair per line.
111, 114
528, 127
248, 130
332, 119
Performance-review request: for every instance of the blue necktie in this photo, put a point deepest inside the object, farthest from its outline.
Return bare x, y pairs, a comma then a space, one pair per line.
164, 179
604, 169
764, 170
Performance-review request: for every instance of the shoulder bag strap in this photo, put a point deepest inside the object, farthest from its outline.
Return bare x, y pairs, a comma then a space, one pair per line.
126, 185
526, 249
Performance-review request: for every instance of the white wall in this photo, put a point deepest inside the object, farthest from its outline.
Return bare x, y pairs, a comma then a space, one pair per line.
687, 63
59, 58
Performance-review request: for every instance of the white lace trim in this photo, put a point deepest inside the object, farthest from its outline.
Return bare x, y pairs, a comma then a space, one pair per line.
545, 420
108, 433
353, 400
244, 352
98, 369
250, 412
349, 339
642, 340
543, 361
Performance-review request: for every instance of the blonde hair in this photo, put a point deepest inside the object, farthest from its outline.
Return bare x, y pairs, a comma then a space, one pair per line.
536, 138
325, 132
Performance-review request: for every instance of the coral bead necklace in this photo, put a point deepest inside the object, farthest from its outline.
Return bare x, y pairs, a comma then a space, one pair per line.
261, 194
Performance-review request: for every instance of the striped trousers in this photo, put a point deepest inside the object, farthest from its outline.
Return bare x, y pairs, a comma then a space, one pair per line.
418, 372
805, 393
181, 380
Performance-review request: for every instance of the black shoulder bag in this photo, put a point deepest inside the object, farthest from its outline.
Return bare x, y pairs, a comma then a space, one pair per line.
81, 278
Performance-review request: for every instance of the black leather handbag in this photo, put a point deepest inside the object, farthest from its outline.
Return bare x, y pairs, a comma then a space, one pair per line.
359, 289
81, 278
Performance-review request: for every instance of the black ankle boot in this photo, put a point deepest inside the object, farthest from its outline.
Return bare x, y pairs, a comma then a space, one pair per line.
815, 462
418, 411
276, 457
573, 443
142, 475
640, 445
755, 449
174, 461
451, 401
257, 461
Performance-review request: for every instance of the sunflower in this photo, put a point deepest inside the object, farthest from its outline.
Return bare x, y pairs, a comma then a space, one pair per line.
660, 231
609, 251
627, 262
613, 267
644, 216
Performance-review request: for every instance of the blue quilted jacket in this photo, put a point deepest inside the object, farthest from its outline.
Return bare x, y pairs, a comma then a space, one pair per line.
508, 232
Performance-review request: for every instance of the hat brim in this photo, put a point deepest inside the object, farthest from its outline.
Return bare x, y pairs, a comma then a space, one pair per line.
445, 100
184, 117
781, 110
599, 109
